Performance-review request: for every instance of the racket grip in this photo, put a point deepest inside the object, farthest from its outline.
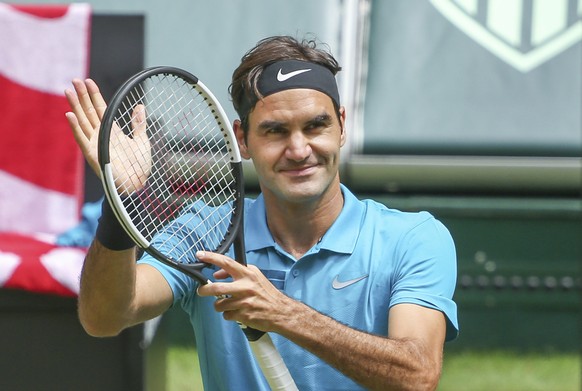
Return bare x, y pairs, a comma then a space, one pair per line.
272, 364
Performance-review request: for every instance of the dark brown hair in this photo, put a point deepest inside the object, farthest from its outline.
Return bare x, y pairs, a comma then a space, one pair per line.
267, 51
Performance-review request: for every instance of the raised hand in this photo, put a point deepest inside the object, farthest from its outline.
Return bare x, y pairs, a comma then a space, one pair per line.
88, 106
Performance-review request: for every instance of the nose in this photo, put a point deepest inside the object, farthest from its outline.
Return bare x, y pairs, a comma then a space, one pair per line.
298, 147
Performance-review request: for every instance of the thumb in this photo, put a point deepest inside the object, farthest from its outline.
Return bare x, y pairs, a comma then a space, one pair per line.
138, 121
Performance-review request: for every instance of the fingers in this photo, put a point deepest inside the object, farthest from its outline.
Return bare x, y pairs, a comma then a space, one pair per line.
87, 104
96, 98
87, 91
74, 104
78, 102
250, 299
228, 266
216, 289
138, 121
233, 268
80, 137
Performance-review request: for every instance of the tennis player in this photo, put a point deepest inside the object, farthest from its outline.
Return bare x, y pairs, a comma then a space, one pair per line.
355, 295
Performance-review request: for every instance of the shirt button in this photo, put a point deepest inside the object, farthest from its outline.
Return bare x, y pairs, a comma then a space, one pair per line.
295, 273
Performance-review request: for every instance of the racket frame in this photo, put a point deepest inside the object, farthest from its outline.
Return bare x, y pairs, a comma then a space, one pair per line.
115, 200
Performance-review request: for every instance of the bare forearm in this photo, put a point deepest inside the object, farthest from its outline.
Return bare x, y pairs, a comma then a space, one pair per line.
107, 290
376, 362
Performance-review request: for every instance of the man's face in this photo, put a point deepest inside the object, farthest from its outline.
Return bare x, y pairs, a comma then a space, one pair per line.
294, 139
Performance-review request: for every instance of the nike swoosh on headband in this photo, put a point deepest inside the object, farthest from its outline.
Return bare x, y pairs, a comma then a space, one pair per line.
337, 284
285, 76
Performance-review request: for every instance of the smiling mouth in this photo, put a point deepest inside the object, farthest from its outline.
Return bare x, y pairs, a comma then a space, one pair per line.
299, 171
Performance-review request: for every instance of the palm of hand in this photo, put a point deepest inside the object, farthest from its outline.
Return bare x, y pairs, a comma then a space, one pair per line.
130, 155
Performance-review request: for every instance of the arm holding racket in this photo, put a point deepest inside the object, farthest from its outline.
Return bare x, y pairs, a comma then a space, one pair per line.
410, 358
229, 298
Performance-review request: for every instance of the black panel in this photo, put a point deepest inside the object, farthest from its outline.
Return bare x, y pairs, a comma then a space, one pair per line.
117, 52
45, 348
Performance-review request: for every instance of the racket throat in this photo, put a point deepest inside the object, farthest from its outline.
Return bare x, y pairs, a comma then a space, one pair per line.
251, 334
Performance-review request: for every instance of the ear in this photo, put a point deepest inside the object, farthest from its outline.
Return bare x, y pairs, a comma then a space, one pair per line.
342, 112
240, 138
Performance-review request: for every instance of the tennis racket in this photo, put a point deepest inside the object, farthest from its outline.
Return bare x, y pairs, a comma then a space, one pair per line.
172, 172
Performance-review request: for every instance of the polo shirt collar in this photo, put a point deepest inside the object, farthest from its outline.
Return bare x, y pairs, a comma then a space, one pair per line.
341, 237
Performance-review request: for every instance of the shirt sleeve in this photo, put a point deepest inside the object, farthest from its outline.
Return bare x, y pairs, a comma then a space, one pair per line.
426, 271
175, 241
199, 227
180, 283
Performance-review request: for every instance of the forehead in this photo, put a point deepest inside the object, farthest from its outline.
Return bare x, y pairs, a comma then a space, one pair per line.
291, 104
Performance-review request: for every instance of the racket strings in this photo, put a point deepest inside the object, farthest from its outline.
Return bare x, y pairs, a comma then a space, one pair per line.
177, 166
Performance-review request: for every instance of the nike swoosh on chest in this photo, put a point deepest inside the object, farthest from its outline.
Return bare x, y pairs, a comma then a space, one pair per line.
337, 284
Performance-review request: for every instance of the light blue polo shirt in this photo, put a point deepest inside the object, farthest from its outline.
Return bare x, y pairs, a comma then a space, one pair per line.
370, 259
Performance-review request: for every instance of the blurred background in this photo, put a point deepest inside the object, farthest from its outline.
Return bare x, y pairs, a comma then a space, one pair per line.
470, 109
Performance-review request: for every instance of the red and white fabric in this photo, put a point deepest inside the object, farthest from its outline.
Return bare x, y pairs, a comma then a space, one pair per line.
41, 168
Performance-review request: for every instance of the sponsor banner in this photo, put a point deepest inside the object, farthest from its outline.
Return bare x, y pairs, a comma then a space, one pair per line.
486, 77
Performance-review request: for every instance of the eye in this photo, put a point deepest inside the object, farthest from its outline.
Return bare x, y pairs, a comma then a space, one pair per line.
276, 130
271, 128
320, 122
315, 125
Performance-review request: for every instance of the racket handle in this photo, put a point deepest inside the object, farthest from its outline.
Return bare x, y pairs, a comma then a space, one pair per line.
272, 364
